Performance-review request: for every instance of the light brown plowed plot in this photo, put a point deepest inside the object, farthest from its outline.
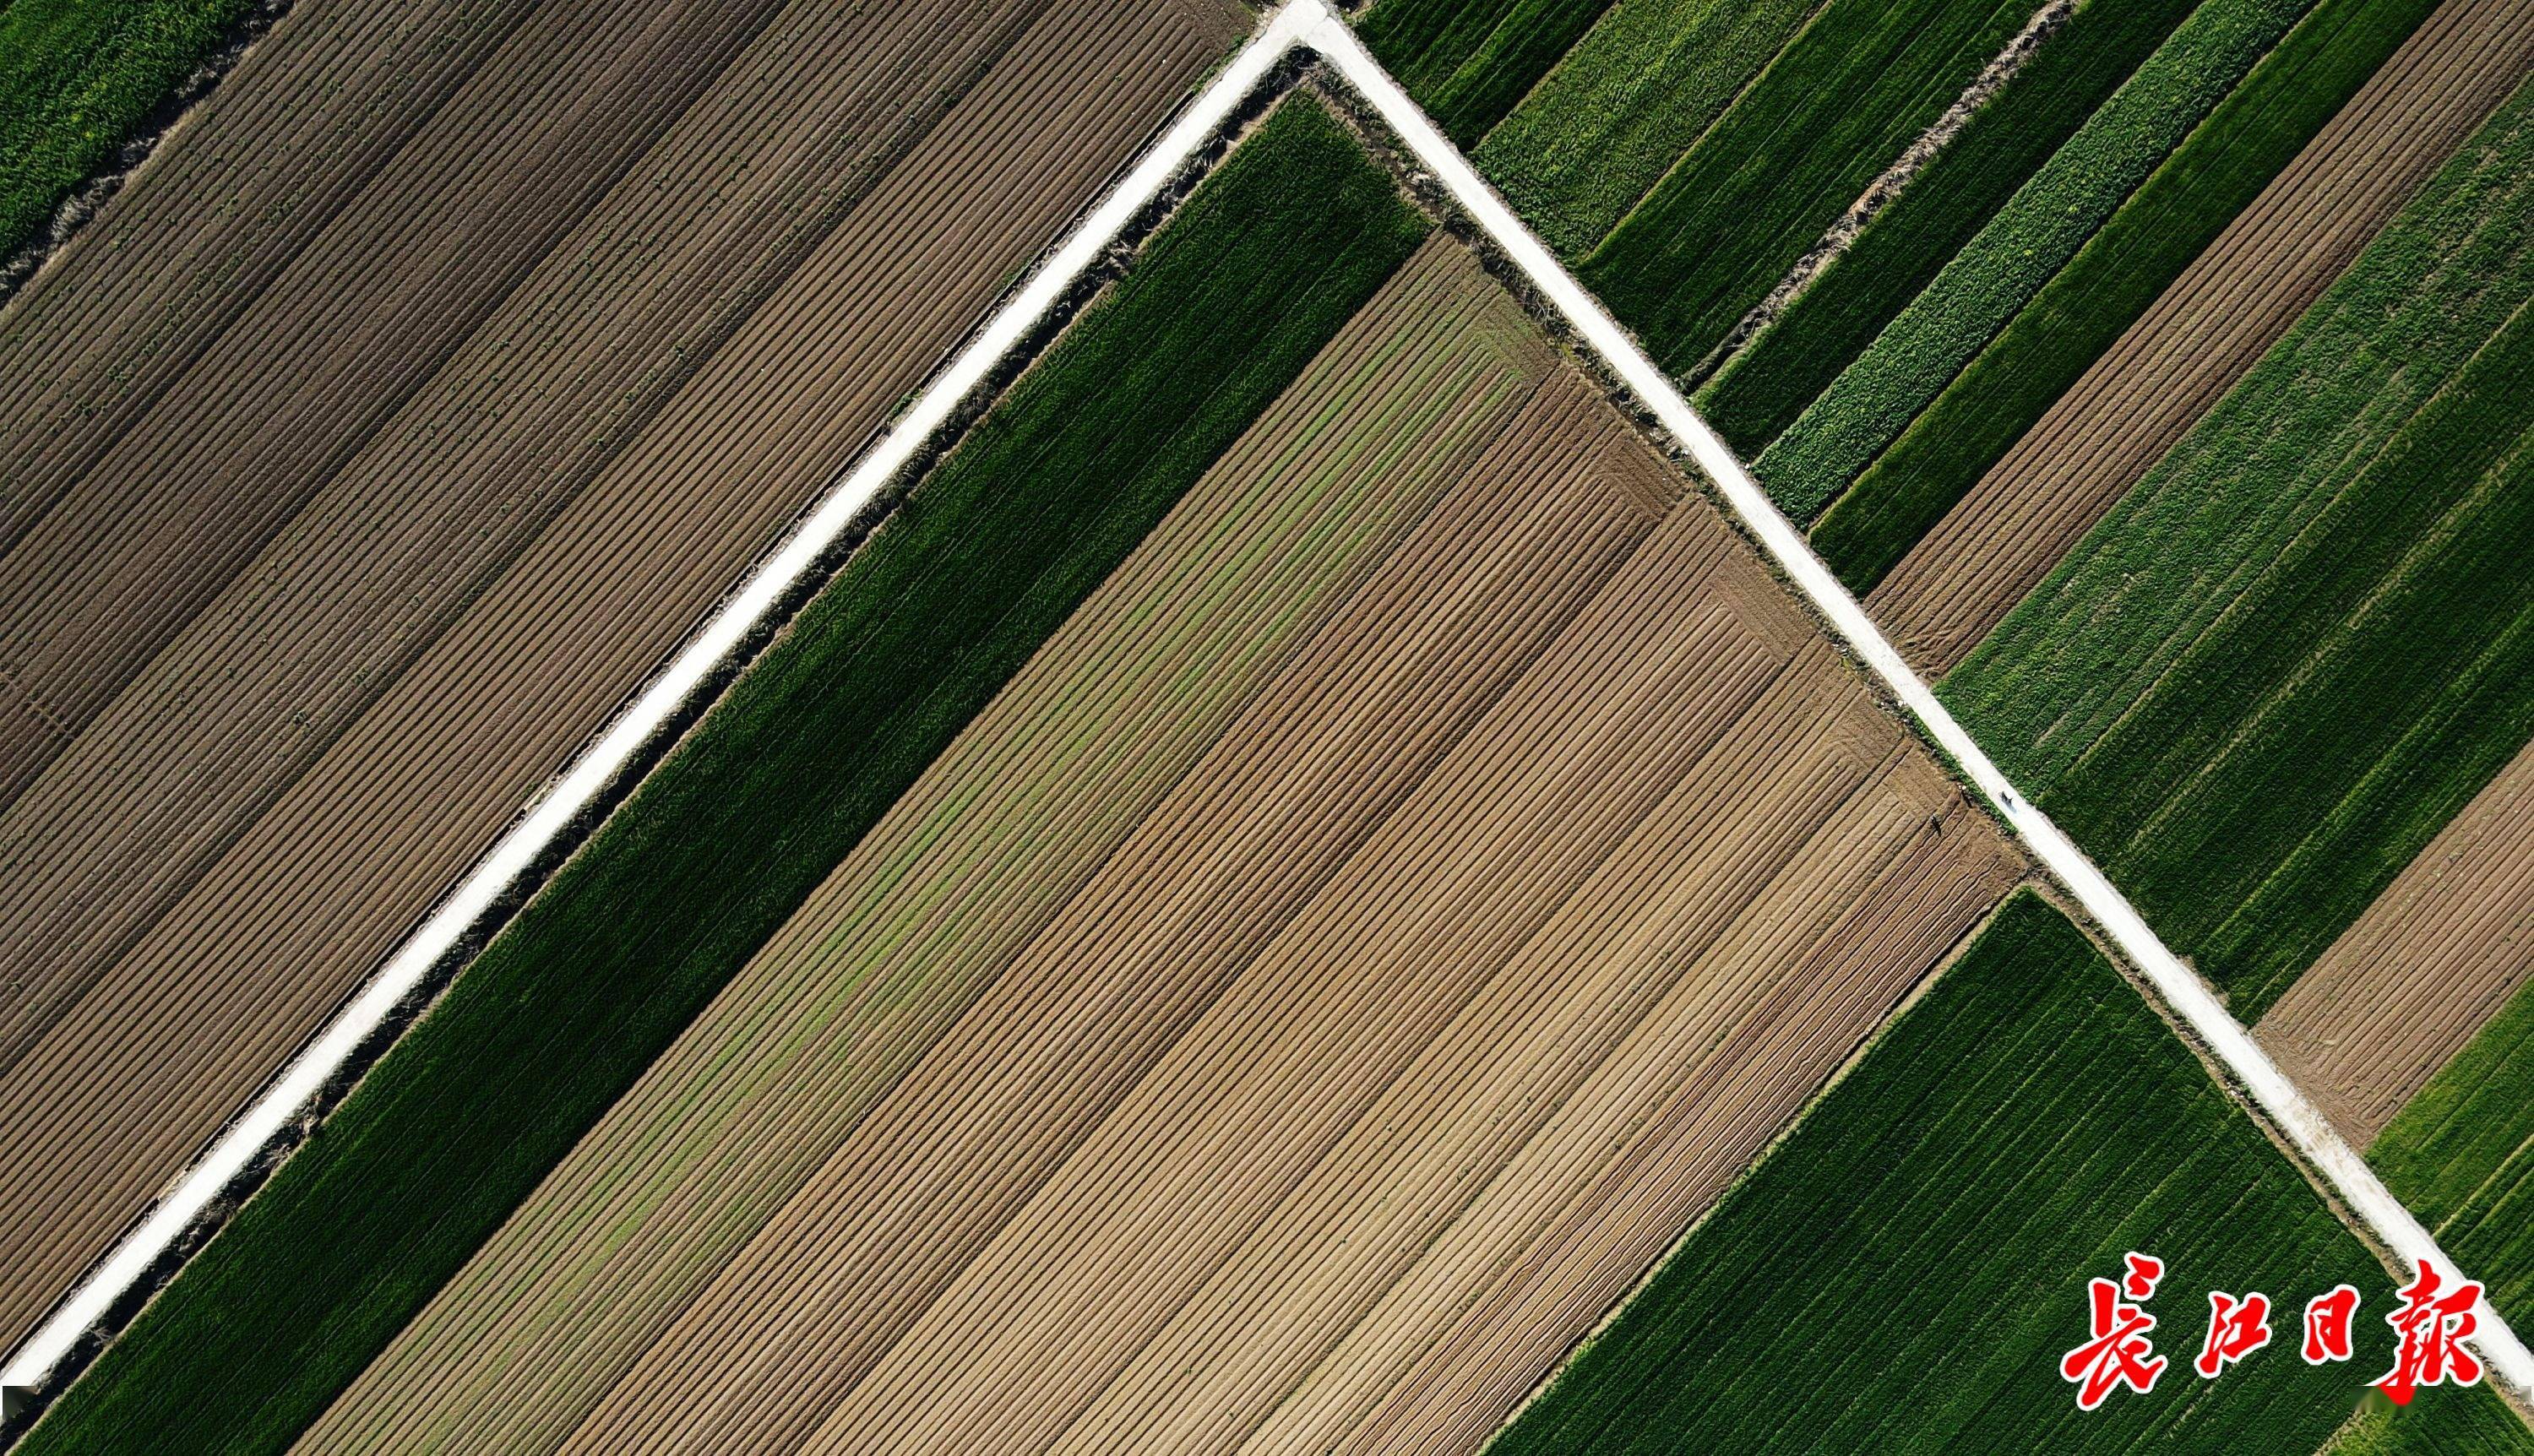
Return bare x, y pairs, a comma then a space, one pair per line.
2228, 308
2436, 956
248, 825
1334, 1095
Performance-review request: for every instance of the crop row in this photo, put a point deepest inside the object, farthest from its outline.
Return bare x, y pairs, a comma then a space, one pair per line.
1763, 386
1860, 82
1904, 1271
77, 79
2272, 673
1999, 269
879, 671
1991, 382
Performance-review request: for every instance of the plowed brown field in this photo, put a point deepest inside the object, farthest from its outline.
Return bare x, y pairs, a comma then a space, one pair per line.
2225, 310
2419, 974
352, 567
1313, 1066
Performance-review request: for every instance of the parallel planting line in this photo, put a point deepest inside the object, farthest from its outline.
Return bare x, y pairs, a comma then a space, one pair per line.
660, 704
2183, 992
1312, 24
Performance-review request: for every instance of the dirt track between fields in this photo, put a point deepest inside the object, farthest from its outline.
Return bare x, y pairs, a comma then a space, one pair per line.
2436, 956
346, 504
2223, 313
1309, 1063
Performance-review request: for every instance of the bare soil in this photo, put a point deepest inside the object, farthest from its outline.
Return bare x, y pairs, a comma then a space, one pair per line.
407, 628
1416, 1003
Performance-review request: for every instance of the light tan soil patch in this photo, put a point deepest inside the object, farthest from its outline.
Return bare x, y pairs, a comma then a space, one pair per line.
1337, 1094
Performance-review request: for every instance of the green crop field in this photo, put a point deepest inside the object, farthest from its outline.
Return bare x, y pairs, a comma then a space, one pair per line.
78, 78
2461, 1155
1467, 62
1904, 1272
926, 622
2079, 313
1848, 95
2270, 674
1765, 385
1999, 271
1616, 113
2478, 1425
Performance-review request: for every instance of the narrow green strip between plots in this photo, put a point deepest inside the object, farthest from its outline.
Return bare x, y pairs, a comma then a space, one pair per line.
1763, 386
2172, 217
2271, 675
2032, 236
78, 79
987, 557
1861, 82
1905, 1270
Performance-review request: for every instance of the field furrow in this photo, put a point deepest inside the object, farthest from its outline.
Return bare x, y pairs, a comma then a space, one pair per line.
1905, 1269
1032, 810
317, 368
1167, 938
2418, 976
2225, 310
272, 820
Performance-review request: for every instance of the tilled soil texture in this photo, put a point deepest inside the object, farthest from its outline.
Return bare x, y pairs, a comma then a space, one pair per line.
2204, 331
1314, 1079
362, 472
2423, 970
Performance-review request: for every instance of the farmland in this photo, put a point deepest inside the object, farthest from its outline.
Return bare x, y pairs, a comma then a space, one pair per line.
2007, 327
459, 1125
2007, 1138
1857, 85
77, 79
2007, 262
2461, 1155
2225, 310
2342, 528
1542, 879
1763, 388
2432, 960
476, 545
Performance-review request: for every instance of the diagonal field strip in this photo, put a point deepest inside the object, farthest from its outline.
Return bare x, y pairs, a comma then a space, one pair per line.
1309, 24
2181, 990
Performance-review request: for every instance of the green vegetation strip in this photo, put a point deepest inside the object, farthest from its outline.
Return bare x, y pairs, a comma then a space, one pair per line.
78, 79
1767, 383
2276, 669
2079, 313
1604, 126
987, 557
2472, 1423
2461, 1155
1905, 1270
1999, 271
1467, 62
1848, 95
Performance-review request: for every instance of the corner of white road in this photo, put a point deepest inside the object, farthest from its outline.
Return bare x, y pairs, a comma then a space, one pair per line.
2188, 997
